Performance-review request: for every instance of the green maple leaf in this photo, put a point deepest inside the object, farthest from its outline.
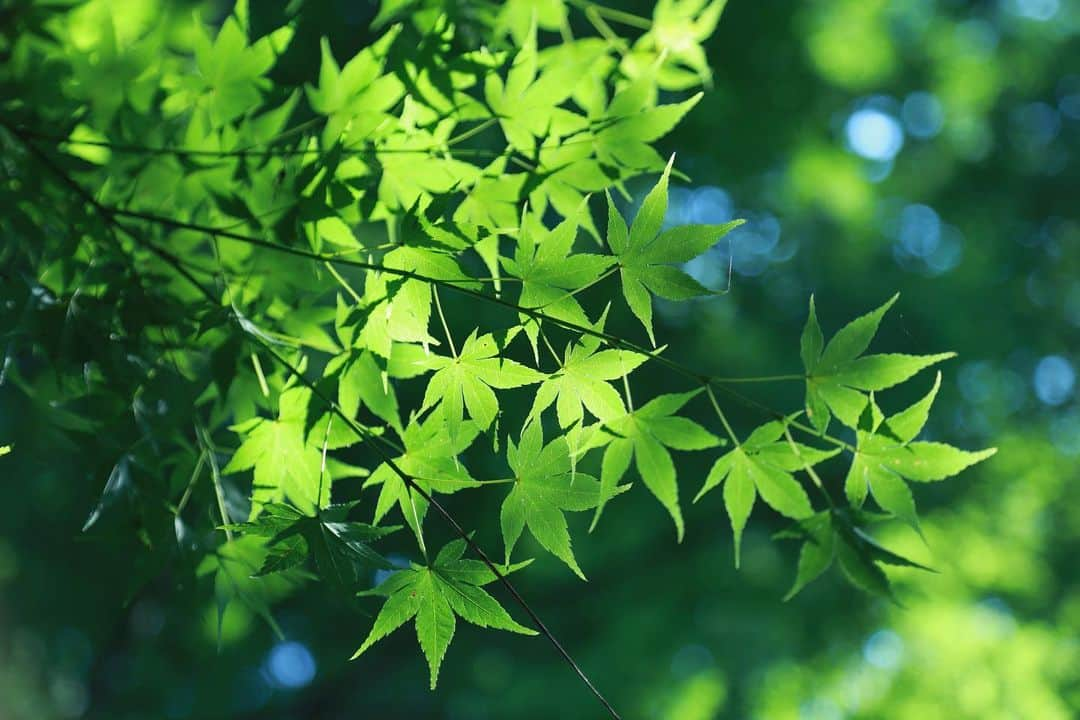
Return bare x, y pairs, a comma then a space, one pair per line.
410, 170
287, 456
644, 435
550, 273
581, 382
631, 121
646, 255
398, 310
491, 201
887, 454
430, 460
671, 52
466, 382
434, 597
356, 98
567, 171
528, 102
545, 485
231, 73
836, 373
394, 310
763, 465
841, 536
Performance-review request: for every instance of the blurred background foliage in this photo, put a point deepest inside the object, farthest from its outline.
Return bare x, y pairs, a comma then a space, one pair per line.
926, 146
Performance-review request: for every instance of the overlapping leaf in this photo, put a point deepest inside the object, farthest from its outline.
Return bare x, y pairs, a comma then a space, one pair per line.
581, 383
528, 102
339, 548
356, 97
674, 43
763, 464
837, 373
363, 382
468, 381
430, 459
645, 436
551, 273
287, 456
841, 536
633, 120
887, 454
231, 74
234, 569
545, 486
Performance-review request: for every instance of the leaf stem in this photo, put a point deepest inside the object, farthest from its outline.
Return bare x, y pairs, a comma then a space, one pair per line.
619, 16
263, 386
721, 415
442, 319
344, 283
475, 130
322, 464
807, 466
190, 486
215, 473
550, 348
758, 379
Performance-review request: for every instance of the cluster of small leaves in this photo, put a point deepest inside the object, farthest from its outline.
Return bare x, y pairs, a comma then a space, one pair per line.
884, 456
270, 264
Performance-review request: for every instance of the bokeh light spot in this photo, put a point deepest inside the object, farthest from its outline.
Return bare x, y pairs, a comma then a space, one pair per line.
924, 243
1070, 106
873, 134
920, 230
290, 665
1041, 10
710, 205
1054, 380
922, 114
884, 650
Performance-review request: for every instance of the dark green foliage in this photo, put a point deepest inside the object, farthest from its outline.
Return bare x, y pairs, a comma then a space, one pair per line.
239, 282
